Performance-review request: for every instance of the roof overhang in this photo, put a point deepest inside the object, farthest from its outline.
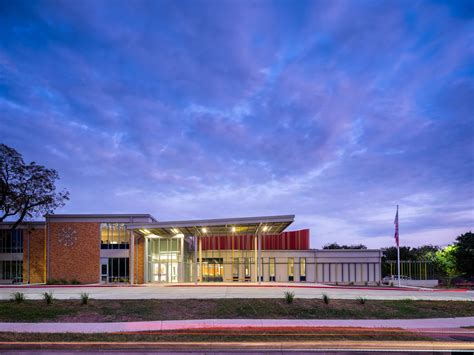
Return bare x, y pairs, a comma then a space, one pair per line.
210, 227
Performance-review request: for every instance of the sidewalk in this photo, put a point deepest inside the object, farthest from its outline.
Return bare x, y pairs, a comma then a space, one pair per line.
431, 323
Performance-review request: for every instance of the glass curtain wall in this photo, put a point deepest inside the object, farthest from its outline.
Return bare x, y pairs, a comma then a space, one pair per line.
11, 269
11, 241
118, 270
114, 236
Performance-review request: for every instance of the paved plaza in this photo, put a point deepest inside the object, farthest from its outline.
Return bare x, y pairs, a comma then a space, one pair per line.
210, 291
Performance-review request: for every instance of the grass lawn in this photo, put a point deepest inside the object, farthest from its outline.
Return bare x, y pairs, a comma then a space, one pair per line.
241, 335
141, 310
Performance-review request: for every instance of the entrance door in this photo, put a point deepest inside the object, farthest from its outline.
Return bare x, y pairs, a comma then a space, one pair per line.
159, 272
165, 272
104, 270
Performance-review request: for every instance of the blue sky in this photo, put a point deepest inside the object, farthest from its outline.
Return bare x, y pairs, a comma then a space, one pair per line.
335, 111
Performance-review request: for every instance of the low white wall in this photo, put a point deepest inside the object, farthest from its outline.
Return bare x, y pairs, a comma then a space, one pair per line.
418, 283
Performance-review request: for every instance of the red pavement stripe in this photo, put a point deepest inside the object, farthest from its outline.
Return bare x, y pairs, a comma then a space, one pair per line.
66, 286
328, 287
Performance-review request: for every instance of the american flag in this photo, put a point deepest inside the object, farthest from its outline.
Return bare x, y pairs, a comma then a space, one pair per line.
396, 228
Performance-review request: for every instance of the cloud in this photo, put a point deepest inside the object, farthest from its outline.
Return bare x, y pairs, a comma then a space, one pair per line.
335, 112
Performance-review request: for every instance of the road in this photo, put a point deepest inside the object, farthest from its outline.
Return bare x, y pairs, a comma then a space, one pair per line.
211, 291
237, 347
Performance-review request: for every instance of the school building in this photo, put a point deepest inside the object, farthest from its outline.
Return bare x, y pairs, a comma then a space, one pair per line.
137, 249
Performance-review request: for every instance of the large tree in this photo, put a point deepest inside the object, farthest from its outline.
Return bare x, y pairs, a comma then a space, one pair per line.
26, 190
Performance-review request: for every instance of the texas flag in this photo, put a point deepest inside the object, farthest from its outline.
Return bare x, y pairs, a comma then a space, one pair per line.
396, 228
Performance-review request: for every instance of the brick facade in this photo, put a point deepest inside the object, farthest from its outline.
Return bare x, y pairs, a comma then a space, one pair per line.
76, 258
33, 256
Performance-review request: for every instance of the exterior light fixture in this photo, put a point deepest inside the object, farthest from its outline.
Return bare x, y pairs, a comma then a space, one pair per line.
175, 230
233, 229
146, 231
204, 229
265, 228
153, 236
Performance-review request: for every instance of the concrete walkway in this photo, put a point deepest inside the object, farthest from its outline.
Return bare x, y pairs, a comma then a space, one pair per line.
213, 291
433, 323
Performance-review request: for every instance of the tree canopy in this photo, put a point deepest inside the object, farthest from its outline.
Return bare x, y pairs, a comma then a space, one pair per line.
424, 252
464, 254
337, 246
26, 190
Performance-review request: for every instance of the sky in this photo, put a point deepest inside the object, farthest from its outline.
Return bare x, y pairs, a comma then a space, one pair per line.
335, 111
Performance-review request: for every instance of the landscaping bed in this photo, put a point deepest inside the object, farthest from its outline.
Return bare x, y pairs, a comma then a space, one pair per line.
229, 335
145, 310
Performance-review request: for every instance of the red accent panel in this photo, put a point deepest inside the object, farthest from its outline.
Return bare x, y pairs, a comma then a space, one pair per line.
294, 240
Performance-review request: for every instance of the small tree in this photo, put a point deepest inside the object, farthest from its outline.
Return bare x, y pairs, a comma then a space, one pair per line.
446, 261
26, 190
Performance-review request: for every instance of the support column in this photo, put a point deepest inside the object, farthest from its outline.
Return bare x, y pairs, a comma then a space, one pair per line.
195, 268
200, 259
255, 247
131, 260
260, 266
181, 269
145, 261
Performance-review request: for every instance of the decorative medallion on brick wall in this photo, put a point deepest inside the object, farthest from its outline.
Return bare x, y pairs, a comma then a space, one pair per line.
67, 236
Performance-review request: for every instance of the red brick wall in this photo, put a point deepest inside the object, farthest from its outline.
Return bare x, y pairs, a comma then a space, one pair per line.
78, 261
35, 265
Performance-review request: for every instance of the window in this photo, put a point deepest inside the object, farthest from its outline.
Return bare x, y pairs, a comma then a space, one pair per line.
114, 236
291, 269
11, 270
11, 241
247, 269
272, 269
213, 269
118, 270
302, 269
235, 270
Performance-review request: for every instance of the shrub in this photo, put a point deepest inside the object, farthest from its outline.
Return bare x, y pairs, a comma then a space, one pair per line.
84, 297
48, 297
75, 282
18, 297
351, 283
361, 300
52, 282
62, 281
325, 298
337, 283
378, 283
391, 284
366, 283
289, 297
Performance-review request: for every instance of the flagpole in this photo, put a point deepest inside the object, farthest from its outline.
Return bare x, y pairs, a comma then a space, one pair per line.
398, 248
